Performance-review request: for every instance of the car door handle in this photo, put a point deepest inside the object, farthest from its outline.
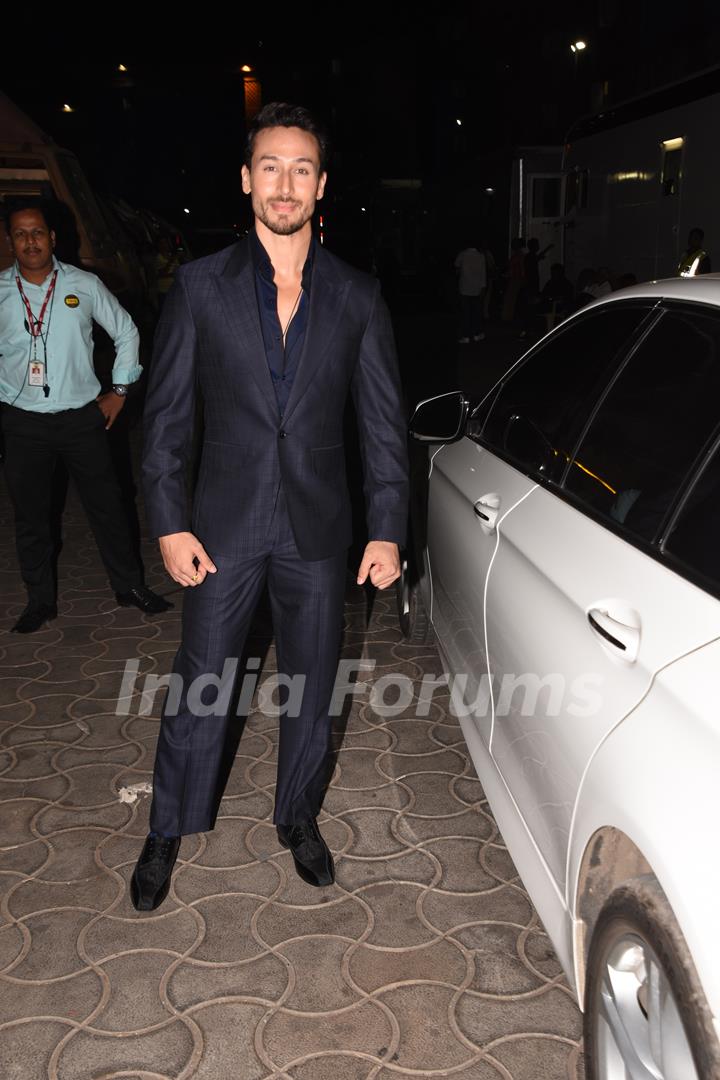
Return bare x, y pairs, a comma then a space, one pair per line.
624, 638
487, 509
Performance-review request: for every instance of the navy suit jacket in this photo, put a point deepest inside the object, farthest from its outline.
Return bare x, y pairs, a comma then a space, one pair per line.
209, 336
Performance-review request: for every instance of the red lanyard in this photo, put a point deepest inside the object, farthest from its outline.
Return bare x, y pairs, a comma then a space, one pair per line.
35, 326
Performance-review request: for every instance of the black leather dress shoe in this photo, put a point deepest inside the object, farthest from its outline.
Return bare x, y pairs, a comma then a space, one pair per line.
313, 860
145, 599
151, 879
33, 618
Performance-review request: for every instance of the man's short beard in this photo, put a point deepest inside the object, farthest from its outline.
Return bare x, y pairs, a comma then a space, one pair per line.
281, 226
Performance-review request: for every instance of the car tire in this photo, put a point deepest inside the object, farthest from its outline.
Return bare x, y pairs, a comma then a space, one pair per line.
412, 614
641, 982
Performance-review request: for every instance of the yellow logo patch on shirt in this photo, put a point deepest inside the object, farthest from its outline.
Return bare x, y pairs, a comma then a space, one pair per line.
71, 300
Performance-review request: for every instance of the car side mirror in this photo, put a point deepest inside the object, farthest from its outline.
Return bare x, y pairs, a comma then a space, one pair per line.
440, 419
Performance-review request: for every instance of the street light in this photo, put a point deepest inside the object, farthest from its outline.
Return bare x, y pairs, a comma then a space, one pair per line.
67, 108
576, 48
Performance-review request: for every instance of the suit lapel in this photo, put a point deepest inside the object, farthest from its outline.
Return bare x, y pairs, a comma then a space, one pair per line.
327, 303
236, 289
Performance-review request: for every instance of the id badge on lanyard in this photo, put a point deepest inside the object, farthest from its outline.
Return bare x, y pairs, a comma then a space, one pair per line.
36, 368
36, 373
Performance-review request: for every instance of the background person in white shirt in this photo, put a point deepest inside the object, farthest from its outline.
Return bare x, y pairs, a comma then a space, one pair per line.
471, 267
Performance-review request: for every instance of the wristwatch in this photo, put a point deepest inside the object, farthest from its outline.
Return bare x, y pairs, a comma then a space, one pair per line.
120, 390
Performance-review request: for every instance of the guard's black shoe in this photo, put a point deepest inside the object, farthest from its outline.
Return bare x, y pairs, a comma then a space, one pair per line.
313, 860
145, 599
33, 618
151, 879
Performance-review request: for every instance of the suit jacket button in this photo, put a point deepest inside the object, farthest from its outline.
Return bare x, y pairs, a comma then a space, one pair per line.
283, 434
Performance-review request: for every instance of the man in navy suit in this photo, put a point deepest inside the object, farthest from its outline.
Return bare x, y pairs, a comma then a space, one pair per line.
276, 332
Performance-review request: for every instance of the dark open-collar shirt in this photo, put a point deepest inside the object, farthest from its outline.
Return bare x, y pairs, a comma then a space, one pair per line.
282, 361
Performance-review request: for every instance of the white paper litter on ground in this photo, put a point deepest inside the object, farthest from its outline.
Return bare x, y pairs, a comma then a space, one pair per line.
130, 793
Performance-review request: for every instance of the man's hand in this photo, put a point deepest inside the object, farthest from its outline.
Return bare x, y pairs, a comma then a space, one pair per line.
110, 406
179, 552
381, 560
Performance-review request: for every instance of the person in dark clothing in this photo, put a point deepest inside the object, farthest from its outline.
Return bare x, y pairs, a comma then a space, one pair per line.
530, 295
695, 260
276, 333
533, 258
515, 279
557, 296
585, 279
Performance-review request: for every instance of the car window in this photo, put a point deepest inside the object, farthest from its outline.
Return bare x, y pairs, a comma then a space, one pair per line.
652, 425
694, 540
541, 409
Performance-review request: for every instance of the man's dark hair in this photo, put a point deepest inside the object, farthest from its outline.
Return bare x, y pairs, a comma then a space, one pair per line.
17, 203
280, 114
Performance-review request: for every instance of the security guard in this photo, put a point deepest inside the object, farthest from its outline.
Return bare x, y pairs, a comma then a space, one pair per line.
696, 259
51, 409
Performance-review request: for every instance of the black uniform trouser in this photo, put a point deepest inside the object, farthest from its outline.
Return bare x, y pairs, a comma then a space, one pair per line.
33, 444
307, 607
471, 315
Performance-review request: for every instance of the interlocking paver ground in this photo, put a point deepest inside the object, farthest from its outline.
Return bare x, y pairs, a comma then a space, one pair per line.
425, 958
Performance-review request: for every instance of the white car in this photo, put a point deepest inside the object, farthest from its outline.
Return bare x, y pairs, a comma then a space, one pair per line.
566, 551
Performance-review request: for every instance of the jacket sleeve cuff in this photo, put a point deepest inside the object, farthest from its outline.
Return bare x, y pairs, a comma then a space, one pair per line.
392, 528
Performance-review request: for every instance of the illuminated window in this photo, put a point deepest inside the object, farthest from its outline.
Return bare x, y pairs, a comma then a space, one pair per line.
672, 166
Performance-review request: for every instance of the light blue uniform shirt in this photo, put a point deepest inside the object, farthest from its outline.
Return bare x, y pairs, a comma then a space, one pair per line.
67, 330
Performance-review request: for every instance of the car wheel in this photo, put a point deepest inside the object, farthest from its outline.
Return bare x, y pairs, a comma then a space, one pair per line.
646, 1017
413, 617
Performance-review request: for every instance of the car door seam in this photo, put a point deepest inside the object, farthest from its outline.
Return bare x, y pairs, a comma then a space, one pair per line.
491, 689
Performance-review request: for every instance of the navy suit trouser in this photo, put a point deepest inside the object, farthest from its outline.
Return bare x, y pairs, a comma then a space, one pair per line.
307, 605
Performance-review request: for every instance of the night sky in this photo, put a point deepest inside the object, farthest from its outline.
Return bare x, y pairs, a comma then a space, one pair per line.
390, 83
